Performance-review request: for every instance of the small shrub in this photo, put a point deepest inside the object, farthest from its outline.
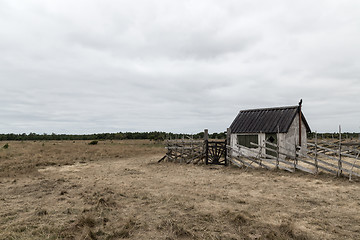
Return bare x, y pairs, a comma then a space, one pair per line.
6, 146
93, 142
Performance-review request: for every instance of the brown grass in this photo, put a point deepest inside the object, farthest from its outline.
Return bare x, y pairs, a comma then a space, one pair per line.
25, 157
119, 191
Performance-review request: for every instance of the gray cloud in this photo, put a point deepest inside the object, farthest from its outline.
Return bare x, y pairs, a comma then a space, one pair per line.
89, 66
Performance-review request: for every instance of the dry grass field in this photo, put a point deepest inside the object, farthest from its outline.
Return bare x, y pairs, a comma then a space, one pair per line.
116, 190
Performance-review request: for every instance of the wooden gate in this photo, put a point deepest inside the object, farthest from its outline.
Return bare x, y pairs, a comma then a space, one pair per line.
215, 152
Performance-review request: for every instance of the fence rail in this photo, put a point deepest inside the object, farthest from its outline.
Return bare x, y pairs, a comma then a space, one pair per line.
334, 157
185, 150
316, 157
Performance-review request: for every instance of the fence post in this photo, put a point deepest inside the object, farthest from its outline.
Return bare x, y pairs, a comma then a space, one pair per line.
228, 153
295, 159
277, 148
277, 154
182, 149
316, 160
206, 142
339, 163
176, 148
192, 151
168, 150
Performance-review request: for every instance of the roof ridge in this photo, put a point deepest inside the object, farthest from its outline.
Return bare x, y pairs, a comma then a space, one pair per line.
271, 108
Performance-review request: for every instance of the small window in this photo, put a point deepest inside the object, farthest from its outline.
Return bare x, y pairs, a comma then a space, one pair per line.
245, 140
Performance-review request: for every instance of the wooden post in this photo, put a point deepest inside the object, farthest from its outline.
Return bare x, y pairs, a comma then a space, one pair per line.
228, 153
168, 150
206, 142
295, 159
277, 155
277, 148
192, 151
259, 155
339, 163
176, 148
300, 122
206, 134
182, 149
316, 160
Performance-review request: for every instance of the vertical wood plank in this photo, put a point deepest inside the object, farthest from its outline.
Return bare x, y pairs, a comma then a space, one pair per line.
206, 142
192, 151
206, 134
182, 149
277, 148
316, 161
300, 118
176, 150
295, 160
228, 152
168, 150
339, 162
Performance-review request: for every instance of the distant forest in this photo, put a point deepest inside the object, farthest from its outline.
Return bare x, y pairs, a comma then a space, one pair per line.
159, 136
345, 135
106, 136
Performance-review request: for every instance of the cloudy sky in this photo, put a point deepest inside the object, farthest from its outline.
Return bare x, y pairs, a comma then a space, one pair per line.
90, 66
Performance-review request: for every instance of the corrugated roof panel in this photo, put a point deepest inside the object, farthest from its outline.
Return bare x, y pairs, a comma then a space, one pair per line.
266, 120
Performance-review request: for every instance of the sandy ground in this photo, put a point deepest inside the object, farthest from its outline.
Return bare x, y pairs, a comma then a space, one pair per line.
138, 198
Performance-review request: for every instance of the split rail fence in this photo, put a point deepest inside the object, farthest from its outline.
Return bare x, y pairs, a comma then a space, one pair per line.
185, 151
196, 151
334, 157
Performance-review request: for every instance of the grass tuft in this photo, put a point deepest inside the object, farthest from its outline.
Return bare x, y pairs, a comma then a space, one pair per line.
41, 212
240, 219
175, 229
125, 231
86, 221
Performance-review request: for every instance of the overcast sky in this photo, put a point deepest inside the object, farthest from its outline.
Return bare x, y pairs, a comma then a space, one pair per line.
89, 66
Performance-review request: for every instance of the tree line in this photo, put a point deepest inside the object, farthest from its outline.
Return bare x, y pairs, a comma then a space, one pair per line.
155, 135
159, 136
344, 135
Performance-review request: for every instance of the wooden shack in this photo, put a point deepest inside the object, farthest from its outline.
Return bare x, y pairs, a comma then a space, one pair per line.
285, 127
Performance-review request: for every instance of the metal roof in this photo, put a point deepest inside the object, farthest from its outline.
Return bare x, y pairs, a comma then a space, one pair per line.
266, 120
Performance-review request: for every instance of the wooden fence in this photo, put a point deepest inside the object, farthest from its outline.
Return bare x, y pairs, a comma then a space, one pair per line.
184, 151
334, 157
196, 151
